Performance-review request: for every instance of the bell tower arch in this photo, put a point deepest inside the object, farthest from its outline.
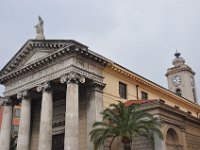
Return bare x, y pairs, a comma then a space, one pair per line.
181, 79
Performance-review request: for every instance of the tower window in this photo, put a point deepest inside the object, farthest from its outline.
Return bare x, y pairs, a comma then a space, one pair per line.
144, 95
194, 95
122, 90
178, 92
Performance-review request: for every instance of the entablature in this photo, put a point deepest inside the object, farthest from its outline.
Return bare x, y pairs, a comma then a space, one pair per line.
49, 74
174, 70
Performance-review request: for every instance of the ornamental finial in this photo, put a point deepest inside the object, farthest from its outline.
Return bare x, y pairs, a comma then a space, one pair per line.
177, 54
178, 60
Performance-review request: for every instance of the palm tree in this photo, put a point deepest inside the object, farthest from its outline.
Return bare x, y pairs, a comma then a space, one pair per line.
126, 123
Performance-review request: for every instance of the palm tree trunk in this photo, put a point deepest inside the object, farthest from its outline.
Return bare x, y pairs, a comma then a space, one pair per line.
127, 146
126, 143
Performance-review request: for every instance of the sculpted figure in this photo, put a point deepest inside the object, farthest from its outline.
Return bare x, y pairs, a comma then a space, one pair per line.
39, 29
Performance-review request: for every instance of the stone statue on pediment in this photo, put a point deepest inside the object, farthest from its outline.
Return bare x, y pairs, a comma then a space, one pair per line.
40, 29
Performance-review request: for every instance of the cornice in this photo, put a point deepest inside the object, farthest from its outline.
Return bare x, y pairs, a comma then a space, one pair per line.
179, 69
157, 104
133, 76
28, 47
64, 50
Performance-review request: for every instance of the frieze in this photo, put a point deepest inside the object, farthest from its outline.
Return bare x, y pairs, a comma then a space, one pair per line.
31, 77
48, 74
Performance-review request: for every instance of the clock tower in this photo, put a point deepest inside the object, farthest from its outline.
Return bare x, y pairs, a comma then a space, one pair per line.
181, 79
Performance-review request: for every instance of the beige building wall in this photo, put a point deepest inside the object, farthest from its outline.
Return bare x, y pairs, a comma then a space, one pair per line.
115, 74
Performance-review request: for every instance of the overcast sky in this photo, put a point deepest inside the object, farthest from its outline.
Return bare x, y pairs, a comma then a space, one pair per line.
141, 35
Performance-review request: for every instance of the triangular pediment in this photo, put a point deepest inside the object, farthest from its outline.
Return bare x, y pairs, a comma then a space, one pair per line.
32, 51
35, 56
35, 50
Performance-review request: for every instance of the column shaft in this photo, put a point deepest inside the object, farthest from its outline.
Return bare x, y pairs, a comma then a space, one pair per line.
94, 107
45, 135
24, 125
71, 117
158, 143
6, 128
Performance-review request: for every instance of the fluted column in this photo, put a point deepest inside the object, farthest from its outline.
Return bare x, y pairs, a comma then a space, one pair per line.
45, 135
94, 108
72, 110
25, 119
6, 125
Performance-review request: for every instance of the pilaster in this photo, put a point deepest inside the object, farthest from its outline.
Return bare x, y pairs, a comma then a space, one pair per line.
159, 144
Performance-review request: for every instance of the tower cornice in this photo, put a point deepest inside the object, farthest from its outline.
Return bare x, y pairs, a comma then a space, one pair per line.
174, 70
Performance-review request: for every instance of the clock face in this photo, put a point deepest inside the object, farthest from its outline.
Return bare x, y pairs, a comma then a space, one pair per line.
176, 80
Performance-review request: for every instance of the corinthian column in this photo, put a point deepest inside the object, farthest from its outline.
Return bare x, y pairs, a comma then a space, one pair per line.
25, 119
45, 135
6, 126
72, 111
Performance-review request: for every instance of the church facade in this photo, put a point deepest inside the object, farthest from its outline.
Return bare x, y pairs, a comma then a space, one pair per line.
63, 86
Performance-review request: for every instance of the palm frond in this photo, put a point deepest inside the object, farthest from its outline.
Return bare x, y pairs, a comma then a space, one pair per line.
124, 122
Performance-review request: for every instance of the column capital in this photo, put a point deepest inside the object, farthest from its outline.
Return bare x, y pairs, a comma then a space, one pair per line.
7, 102
44, 87
23, 94
97, 86
72, 77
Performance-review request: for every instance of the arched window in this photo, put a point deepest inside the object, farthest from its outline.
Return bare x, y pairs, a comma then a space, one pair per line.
172, 140
172, 137
178, 92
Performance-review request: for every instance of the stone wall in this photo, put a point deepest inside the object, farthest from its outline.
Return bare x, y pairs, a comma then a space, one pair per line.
139, 143
193, 136
193, 142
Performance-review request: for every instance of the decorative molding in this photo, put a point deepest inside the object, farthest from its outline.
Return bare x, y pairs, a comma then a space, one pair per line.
72, 77
179, 69
44, 87
24, 95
